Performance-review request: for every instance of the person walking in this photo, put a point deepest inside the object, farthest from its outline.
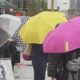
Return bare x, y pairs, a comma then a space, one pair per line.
57, 65
39, 61
57, 68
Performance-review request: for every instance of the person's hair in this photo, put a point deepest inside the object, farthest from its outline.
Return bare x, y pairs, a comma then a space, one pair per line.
57, 25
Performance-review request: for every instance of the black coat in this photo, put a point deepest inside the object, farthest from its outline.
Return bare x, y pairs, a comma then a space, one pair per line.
9, 50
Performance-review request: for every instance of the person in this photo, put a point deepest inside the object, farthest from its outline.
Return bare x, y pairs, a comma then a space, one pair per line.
74, 73
39, 61
18, 42
15, 53
57, 65
9, 50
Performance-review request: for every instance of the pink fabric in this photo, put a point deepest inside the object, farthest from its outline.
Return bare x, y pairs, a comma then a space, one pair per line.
69, 31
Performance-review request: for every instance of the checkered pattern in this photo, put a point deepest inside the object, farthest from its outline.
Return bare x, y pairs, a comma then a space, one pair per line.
17, 38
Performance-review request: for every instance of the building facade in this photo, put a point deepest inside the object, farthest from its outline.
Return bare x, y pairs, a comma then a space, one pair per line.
52, 4
75, 4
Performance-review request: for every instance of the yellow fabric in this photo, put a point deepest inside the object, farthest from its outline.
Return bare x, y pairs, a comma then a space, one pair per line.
37, 27
67, 46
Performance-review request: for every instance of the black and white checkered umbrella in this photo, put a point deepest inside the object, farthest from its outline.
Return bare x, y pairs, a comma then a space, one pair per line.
17, 38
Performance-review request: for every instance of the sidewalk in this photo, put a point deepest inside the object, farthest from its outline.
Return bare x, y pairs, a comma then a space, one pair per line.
25, 72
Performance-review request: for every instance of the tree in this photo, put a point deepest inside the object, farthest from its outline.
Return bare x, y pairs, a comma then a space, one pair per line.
36, 6
9, 1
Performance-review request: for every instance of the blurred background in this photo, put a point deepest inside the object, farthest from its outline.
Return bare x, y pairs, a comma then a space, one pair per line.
22, 8
31, 7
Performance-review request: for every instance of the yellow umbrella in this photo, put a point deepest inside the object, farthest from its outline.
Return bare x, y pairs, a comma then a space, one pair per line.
37, 27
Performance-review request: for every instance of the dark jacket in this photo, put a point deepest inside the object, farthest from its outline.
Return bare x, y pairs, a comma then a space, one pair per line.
9, 50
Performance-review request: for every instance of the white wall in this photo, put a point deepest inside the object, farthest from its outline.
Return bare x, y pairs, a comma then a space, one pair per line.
63, 4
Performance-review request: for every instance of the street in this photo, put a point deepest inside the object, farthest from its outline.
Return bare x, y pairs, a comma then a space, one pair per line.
25, 72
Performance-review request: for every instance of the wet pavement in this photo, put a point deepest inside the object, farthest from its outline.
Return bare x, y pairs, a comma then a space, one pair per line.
25, 72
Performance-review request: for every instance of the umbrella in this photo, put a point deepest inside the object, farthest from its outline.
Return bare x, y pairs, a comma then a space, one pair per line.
37, 27
19, 43
66, 37
4, 36
10, 23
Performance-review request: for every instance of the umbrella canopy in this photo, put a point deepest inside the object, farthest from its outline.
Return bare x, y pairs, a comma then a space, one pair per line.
66, 37
10, 23
4, 36
37, 27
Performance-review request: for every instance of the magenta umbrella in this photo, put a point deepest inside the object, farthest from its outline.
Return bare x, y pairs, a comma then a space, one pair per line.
66, 37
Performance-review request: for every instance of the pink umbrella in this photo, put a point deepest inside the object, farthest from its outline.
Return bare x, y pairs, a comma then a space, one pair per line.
66, 37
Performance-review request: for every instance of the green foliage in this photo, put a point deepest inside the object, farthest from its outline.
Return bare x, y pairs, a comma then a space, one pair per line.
9, 0
36, 6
